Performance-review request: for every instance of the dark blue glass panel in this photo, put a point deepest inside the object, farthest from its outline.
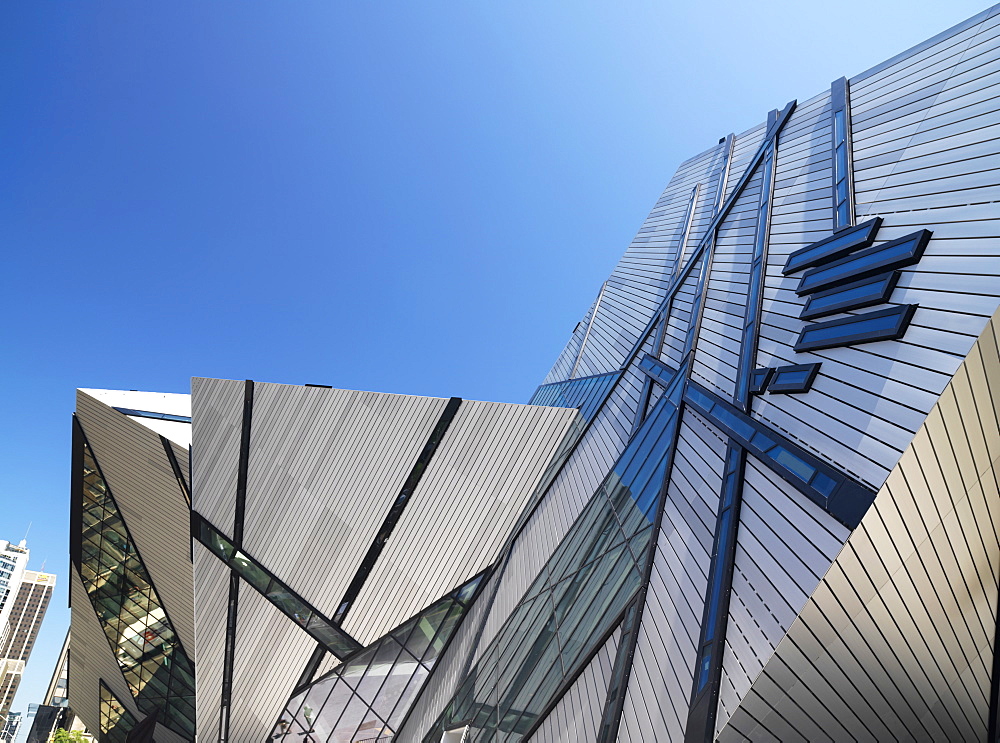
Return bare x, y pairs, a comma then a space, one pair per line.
797, 378
858, 294
888, 324
894, 254
585, 393
833, 247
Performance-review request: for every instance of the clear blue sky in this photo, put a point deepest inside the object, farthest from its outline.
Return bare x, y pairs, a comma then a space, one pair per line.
415, 197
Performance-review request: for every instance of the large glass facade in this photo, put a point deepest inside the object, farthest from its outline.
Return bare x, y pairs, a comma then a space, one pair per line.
158, 672
577, 599
367, 697
116, 721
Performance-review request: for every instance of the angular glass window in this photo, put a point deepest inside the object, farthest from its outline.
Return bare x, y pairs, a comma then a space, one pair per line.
133, 618
880, 325
370, 693
116, 720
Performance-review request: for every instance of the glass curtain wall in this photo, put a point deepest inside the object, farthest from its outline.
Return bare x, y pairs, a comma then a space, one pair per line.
367, 697
158, 673
577, 599
116, 721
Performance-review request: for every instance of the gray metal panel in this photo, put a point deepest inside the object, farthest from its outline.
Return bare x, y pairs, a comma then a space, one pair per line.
576, 718
325, 467
152, 505
659, 689
462, 512
785, 545
211, 595
263, 676
717, 347
570, 491
897, 639
216, 422
921, 161
91, 660
637, 285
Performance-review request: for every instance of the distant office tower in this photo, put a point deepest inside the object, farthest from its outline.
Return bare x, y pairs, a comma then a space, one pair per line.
23, 622
756, 497
13, 561
11, 728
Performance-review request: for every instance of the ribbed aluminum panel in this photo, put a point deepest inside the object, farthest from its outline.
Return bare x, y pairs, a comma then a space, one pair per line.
211, 595
897, 640
659, 689
461, 513
91, 660
216, 423
924, 155
577, 716
325, 467
263, 680
785, 545
717, 348
142, 482
744, 148
447, 674
572, 488
638, 283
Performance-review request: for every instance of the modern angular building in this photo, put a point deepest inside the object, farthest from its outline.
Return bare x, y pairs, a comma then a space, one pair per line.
756, 498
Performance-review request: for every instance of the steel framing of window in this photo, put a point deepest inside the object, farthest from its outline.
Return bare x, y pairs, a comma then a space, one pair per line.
135, 622
881, 325
843, 185
831, 248
793, 379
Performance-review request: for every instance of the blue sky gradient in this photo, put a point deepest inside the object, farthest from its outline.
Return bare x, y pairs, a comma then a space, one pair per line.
420, 198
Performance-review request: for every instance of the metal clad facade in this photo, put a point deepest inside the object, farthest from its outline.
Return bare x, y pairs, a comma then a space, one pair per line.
659, 690
897, 640
481, 476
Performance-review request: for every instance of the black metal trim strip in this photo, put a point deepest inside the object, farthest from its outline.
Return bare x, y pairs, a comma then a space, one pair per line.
880, 292
234, 577
244, 464
396, 511
204, 531
228, 656
176, 467
76, 498
831, 248
838, 494
700, 726
898, 317
777, 386
857, 266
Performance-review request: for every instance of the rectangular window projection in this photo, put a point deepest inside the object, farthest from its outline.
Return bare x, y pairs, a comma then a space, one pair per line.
905, 251
853, 296
157, 416
843, 203
833, 247
796, 378
881, 325
837, 494
759, 380
312, 621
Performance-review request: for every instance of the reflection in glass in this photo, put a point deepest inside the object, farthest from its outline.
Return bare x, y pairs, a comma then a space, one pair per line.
116, 721
159, 674
368, 695
577, 599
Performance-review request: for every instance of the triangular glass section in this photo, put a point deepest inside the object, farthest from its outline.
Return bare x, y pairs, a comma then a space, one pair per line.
149, 654
578, 597
116, 720
369, 694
